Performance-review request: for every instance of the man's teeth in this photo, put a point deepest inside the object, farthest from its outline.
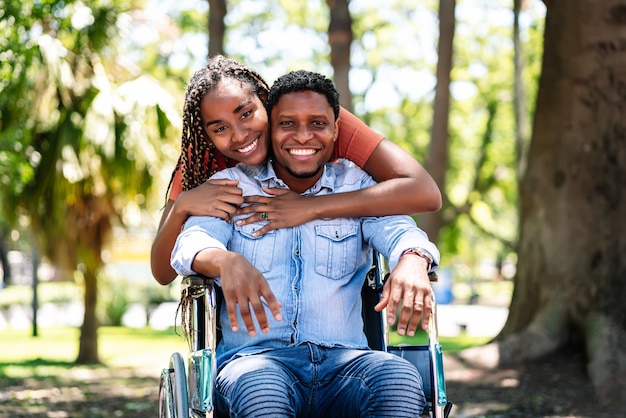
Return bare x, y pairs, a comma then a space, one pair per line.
308, 151
249, 147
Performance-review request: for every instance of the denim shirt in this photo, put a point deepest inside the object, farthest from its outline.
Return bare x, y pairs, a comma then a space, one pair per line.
316, 270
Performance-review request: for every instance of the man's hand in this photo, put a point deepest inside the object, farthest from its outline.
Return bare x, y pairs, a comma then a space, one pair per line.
408, 283
242, 285
285, 209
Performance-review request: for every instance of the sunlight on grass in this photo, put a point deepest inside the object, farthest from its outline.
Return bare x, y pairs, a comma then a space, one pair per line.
59, 344
57, 348
449, 344
145, 350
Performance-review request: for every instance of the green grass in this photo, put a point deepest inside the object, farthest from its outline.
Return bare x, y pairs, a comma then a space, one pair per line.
147, 350
448, 344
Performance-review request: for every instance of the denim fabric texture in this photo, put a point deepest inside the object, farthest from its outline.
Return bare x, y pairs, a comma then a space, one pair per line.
312, 381
315, 362
316, 270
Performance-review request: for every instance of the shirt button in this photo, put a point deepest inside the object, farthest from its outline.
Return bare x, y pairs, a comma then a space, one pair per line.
297, 252
294, 323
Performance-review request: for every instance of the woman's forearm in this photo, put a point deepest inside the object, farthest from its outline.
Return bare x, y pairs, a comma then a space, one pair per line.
169, 228
405, 187
391, 197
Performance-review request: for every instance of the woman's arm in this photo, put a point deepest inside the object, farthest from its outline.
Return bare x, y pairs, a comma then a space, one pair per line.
404, 188
218, 198
169, 227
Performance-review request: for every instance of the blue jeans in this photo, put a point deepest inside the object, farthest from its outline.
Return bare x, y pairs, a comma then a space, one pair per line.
312, 381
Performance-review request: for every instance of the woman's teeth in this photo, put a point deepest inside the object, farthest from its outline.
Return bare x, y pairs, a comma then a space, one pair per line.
249, 147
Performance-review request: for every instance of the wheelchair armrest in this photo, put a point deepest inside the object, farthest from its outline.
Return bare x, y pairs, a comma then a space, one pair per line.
195, 280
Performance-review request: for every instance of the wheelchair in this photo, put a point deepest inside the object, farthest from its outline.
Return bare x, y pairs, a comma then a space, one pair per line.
188, 392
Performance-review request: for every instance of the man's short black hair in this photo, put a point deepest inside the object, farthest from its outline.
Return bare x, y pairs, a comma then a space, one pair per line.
303, 81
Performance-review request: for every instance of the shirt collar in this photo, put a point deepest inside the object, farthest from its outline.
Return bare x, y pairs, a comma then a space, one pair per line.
268, 178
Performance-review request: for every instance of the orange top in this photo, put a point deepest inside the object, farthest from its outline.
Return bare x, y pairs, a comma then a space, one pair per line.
355, 142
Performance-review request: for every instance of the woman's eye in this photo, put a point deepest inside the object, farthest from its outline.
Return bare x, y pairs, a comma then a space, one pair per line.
219, 129
246, 114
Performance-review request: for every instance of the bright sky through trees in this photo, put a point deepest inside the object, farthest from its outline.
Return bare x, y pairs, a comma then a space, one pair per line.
413, 35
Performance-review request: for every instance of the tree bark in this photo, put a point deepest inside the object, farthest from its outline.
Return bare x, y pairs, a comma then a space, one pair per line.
340, 40
217, 27
521, 113
437, 159
4, 261
570, 285
91, 218
88, 352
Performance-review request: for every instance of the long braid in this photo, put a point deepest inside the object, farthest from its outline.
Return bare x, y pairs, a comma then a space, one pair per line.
199, 159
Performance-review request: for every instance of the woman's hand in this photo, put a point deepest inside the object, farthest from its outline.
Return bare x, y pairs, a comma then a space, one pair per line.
219, 198
283, 210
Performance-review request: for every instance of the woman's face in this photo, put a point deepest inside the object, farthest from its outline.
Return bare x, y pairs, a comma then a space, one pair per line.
236, 122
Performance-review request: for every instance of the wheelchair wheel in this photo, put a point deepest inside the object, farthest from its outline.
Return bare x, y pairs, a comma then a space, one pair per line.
173, 401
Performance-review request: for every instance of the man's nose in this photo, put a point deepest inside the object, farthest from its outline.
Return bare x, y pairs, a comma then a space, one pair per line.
303, 134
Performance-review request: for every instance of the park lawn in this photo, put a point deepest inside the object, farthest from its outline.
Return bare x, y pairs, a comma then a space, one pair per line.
38, 377
448, 344
146, 350
128, 347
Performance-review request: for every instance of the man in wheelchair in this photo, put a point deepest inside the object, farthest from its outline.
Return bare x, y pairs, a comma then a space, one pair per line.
297, 291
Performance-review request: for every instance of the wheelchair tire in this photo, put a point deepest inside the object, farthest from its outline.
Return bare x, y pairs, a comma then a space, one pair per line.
173, 399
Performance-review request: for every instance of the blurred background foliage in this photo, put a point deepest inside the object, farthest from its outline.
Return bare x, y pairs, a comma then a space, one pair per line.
91, 94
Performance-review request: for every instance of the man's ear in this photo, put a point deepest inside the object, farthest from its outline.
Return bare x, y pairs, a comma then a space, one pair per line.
337, 123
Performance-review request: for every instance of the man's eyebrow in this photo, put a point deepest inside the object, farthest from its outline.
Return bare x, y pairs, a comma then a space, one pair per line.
237, 110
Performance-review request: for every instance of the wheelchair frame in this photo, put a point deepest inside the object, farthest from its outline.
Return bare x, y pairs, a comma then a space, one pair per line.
189, 392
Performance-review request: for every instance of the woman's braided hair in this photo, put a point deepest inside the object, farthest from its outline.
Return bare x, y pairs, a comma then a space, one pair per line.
199, 159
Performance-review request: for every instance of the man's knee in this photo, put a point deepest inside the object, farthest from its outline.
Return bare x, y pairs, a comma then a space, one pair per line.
395, 385
255, 388
394, 371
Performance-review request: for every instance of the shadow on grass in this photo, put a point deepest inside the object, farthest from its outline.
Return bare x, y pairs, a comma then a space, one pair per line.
554, 386
45, 388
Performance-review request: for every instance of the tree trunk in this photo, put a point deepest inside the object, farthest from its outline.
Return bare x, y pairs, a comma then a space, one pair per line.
437, 159
217, 27
88, 341
521, 113
4, 261
340, 40
571, 280
91, 218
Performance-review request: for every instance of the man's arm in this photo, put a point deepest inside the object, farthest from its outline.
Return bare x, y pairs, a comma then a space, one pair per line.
408, 282
199, 252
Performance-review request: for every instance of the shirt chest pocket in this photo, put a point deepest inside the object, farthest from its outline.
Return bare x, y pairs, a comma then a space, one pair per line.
257, 250
336, 250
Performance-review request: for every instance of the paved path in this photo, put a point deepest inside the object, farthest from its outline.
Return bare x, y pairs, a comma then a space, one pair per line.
474, 320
